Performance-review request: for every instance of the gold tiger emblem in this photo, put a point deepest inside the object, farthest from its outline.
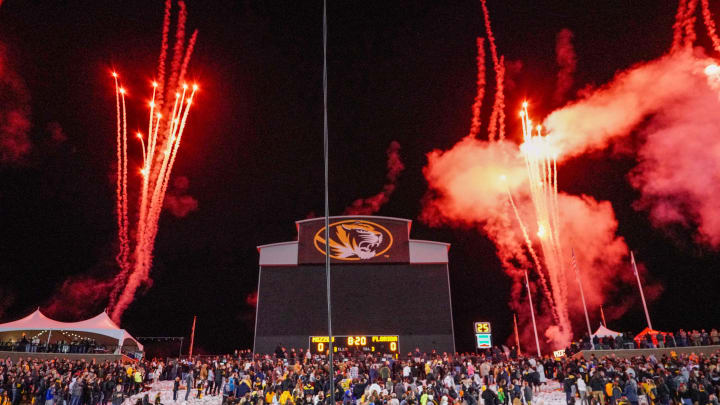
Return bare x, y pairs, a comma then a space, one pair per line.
353, 240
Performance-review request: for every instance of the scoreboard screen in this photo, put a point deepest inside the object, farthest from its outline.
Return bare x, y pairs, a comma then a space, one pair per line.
359, 343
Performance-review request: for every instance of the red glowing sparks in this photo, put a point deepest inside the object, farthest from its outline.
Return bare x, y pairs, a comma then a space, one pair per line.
159, 154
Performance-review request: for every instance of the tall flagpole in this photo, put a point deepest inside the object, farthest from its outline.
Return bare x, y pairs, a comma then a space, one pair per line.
327, 211
582, 295
642, 295
532, 314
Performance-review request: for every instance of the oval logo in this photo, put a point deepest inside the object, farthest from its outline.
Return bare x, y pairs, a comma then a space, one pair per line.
354, 239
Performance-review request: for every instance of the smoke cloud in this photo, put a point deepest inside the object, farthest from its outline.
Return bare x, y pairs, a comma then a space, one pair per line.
78, 298
613, 110
371, 205
672, 104
469, 185
14, 113
679, 165
567, 62
177, 202
57, 134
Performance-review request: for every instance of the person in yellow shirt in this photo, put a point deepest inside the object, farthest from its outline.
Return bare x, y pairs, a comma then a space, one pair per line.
137, 379
650, 390
269, 397
285, 398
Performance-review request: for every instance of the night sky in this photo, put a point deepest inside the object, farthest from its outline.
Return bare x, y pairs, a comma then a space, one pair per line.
252, 151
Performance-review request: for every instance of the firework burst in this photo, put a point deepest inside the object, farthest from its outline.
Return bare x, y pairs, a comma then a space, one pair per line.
166, 124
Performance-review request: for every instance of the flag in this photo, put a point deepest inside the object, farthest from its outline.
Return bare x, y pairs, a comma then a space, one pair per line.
517, 335
642, 295
602, 316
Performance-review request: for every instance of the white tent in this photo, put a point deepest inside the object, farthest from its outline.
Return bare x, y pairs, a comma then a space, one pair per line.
602, 332
99, 328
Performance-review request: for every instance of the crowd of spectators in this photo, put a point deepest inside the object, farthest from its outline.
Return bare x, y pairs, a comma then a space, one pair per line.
300, 378
36, 345
62, 381
629, 340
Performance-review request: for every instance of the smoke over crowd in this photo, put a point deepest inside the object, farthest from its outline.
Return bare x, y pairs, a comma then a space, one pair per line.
667, 105
469, 187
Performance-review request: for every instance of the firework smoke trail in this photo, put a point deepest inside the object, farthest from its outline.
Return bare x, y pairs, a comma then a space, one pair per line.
497, 117
125, 232
499, 105
120, 193
678, 25
188, 54
477, 105
533, 254
159, 154
710, 25
542, 178
689, 23
118, 176
567, 62
163, 52
179, 45
122, 257
372, 204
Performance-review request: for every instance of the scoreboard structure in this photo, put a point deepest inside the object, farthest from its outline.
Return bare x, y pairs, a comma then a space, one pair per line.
390, 294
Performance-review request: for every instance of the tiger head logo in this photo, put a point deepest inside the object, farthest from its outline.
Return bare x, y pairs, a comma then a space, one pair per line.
354, 240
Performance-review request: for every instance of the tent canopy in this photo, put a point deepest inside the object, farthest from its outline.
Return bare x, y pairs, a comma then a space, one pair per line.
647, 331
101, 328
602, 332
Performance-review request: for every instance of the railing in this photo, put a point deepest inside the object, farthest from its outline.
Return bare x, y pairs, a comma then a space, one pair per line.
61, 348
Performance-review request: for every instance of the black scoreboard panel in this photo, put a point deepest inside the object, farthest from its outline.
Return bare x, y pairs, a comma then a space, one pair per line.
409, 301
368, 344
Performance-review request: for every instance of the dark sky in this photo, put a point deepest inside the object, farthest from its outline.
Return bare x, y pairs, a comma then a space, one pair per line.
398, 70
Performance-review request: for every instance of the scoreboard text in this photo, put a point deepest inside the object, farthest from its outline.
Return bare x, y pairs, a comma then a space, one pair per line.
483, 335
482, 327
358, 343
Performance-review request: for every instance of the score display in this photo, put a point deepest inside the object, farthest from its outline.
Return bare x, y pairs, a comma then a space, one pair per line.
482, 327
483, 335
389, 344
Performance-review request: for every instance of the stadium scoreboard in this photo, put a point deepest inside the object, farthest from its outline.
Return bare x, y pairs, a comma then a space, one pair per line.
389, 344
483, 335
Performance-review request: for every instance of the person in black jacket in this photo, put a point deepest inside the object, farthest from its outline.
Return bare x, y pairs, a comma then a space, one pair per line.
489, 396
663, 392
568, 384
118, 396
176, 387
108, 388
597, 387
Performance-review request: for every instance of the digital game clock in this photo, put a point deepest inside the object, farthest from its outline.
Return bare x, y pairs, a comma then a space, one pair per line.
358, 343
